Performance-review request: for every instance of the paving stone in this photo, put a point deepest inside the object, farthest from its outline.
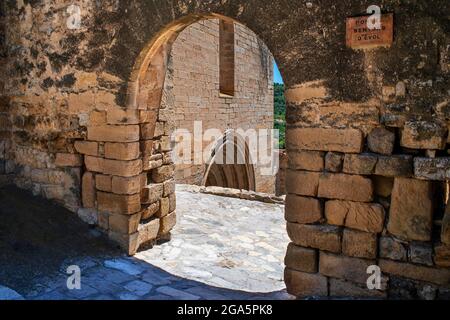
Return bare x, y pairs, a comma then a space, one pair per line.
180, 295
124, 266
139, 288
9, 294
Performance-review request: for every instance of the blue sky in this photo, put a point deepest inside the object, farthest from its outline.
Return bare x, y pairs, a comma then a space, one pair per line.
276, 74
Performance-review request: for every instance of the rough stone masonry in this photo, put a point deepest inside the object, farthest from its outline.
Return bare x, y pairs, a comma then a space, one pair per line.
367, 134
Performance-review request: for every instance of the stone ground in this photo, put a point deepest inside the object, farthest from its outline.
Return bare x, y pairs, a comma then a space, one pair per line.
222, 248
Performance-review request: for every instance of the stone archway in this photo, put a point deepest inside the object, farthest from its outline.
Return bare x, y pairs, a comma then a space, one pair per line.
236, 174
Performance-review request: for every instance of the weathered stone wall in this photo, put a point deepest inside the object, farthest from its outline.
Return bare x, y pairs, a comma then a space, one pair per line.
192, 83
367, 130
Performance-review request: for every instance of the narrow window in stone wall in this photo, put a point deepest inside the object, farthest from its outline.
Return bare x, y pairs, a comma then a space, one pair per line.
226, 58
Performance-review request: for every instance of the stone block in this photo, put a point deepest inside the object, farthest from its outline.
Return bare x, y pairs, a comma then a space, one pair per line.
148, 231
122, 168
394, 166
424, 135
122, 151
125, 224
163, 173
167, 223
359, 244
421, 253
360, 216
341, 267
147, 131
119, 204
122, 116
321, 237
164, 207
411, 271
128, 242
432, 169
345, 289
442, 255
345, 187
411, 212
111, 133
302, 210
382, 141
152, 193
301, 259
89, 148
393, 249
150, 210
334, 162
68, 160
306, 160
302, 284
169, 188
318, 139
88, 190
361, 164
302, 183
122, 185
103, 182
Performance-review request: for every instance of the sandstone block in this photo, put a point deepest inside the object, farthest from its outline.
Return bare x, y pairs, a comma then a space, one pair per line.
94, 164
167, 223
122, 168
146, 148
334, 162
345, 187
359, 244
152, 193
68, 160
301, 259
302, 183
164, 207
122, 185
362, 164
163, 173
88, 190
103, 183
301, 284
149, 231
110, 133
360, 216
341, 267
150, 210
411, 212
432, 169
424, 135
169, 188
119, 204
122, 151
147, 131
394, 166
392, 249
302, 210
381, 141
87, 147
128, 242
97, 118
122, 116
442, 255
318, 139
405, 270
321, 237
306, 160
125, 224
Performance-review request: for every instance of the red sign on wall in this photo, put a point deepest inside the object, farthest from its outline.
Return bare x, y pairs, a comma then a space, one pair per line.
360, 36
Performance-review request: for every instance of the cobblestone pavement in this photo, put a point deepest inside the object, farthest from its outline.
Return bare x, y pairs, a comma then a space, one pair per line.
222, 248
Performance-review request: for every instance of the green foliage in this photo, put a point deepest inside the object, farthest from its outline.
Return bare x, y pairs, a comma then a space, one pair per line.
280, 113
